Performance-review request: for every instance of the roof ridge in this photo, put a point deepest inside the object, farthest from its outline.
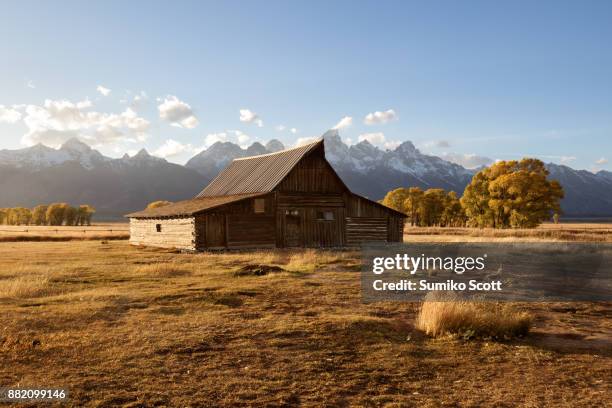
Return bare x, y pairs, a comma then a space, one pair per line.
319, 140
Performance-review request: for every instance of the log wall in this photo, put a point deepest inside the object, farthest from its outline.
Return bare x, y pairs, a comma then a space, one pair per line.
175, 232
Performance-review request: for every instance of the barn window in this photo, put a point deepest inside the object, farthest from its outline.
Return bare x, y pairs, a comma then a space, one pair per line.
325, 215
158, 227
259, 205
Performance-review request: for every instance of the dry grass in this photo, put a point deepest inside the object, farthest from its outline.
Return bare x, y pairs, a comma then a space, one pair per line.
24, 287
444, 313
25, 233
585, 232
126, 326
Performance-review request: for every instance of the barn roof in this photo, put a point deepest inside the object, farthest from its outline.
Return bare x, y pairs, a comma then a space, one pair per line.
257, 173
190, 207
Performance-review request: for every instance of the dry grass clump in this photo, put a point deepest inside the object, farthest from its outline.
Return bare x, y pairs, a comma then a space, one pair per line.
443, 314
308, 260
162, 270
25, 287
62, 238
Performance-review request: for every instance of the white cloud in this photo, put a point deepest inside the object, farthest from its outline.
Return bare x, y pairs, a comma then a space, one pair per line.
172, 148
344, 122
377, 138
30, 84
243, 138
602, 160
280, 128
469, 161
248, 116
177, 112
213, 138
104, 91
567, 159
9, 114
293, 130
378, 117
305, 140
58, 120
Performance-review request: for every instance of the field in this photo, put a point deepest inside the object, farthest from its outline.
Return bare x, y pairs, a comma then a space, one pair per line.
99, 231
125, 326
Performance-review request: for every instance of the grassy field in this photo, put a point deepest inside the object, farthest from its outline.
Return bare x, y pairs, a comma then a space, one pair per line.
111, 230
586, 232
126, 326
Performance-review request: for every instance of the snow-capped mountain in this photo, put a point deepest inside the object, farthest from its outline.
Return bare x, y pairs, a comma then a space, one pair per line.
77, 173
41, 156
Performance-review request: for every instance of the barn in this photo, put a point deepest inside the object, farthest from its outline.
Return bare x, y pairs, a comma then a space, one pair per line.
292, 198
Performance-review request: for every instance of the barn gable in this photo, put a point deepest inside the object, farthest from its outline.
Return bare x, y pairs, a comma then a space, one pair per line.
292, 198
294, 169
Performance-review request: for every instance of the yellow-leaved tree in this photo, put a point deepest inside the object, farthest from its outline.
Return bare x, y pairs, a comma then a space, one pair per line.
157, 204
513, 194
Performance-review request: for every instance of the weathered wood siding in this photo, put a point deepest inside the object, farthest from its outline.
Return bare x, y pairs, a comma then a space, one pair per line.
369, 222
174, 232
363, 229
237, 225
313, 174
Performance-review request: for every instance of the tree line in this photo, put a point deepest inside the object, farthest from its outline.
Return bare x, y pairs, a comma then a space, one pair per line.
508, 194
52, 214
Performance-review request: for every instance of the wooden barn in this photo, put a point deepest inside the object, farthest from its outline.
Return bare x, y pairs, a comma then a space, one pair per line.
292, 198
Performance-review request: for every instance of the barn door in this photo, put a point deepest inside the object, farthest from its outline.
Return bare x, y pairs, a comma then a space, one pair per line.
215, 231
293, 230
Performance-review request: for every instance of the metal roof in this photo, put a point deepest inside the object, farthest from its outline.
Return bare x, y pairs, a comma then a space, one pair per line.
190, 207
257, 174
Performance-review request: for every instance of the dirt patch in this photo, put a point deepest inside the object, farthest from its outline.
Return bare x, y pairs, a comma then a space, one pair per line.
258, 270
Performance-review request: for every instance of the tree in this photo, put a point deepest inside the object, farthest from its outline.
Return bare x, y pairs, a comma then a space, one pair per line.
39, 215
19, 216
395, 199
157, 204
512, 194
412, 204
55, 213
84, 214
453, 214
432, 206
4, 216
70, 215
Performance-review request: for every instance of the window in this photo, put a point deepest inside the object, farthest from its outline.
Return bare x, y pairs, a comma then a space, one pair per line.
325, 215
259, 205
158, 227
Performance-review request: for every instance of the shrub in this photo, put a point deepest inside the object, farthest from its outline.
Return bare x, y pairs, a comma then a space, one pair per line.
443, 314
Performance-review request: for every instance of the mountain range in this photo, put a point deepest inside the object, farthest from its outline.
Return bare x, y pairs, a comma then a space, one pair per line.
76, 173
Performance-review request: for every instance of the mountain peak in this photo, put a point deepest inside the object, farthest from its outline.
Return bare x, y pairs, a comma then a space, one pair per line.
142, 153
75, 144
274, 145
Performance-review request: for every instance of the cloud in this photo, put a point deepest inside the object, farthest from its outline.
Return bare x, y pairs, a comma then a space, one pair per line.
243, 138
344, 122
213, 138
602, 160
469, 161
567, 159
249, 116
377, 138
177, 112
378, 117
9, 114
104, 91
58, 120
172, 148
305, 140
30, 84
280, 128
293, 130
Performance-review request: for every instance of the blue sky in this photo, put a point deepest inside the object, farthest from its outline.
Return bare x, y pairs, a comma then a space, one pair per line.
472, 78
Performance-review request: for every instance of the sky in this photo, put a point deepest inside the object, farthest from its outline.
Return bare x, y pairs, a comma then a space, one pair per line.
470, 81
